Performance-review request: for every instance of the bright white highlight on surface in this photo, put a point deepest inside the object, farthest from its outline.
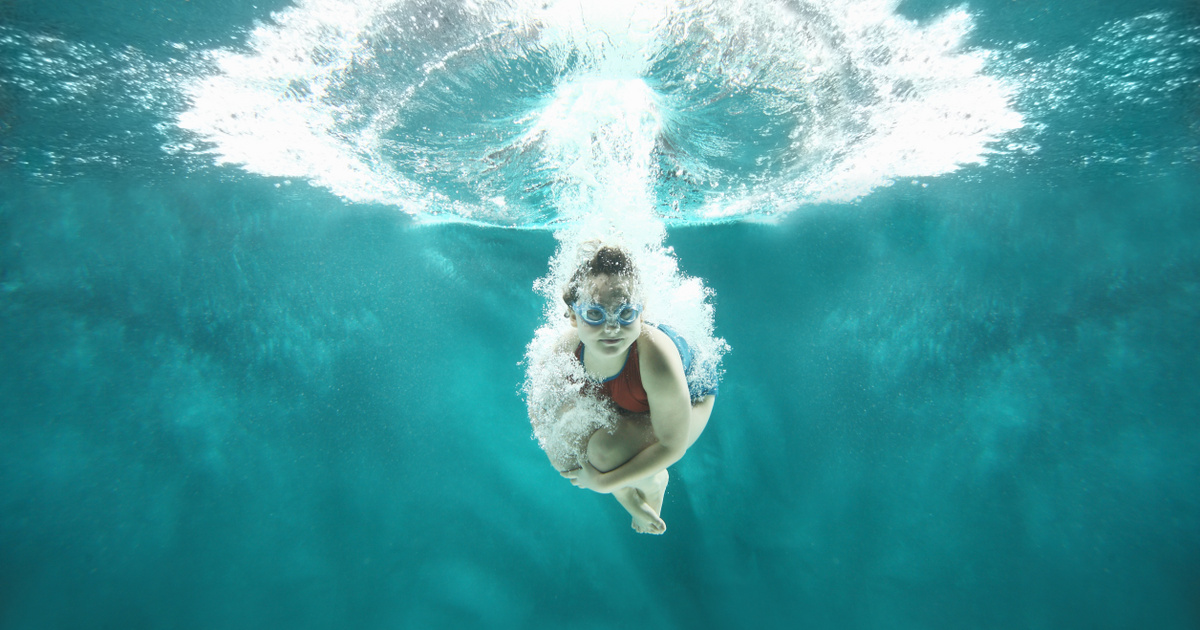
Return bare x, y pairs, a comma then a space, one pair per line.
269, 111
868, 96
938, 111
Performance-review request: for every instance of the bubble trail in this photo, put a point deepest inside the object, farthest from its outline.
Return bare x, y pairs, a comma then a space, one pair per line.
603, 129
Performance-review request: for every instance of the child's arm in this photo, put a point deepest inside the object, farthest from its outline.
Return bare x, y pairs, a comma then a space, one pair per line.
650, 461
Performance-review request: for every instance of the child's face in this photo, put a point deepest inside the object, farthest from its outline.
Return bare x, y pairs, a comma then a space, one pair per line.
609, 338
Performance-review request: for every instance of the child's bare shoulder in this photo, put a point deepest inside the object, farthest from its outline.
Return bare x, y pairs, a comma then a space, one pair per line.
656, 348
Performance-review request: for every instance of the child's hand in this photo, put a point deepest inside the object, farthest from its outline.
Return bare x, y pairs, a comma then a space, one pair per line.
587, 477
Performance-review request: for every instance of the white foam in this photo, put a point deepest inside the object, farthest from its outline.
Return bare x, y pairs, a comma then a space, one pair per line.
270, 112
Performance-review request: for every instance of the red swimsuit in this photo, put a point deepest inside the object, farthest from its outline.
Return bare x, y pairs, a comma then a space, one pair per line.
625, 387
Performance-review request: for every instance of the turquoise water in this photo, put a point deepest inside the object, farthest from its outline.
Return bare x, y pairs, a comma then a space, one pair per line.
240, 392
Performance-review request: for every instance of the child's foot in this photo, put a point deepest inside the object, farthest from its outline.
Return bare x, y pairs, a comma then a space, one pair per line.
652, 492
645, 518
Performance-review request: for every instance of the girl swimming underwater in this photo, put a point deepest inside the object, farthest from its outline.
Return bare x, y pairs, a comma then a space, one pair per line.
641, 368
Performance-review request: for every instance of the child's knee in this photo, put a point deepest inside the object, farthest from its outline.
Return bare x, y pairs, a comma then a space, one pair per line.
602, 451
606, 451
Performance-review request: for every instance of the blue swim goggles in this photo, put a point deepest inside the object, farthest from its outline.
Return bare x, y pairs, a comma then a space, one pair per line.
597, 315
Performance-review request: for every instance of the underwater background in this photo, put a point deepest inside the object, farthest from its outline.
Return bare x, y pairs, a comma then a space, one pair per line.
959, 397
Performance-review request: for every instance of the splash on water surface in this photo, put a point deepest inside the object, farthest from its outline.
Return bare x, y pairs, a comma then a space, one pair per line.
445, 110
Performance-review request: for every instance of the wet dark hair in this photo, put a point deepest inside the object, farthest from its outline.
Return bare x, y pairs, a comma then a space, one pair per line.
608, 260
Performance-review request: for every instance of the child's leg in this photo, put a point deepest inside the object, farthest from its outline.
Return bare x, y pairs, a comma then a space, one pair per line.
644, 498
632, 434
645, 518
606, 451
651, 491
701, 411
654, 489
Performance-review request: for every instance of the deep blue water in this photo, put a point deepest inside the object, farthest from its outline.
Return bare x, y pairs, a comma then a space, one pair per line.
235, 402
